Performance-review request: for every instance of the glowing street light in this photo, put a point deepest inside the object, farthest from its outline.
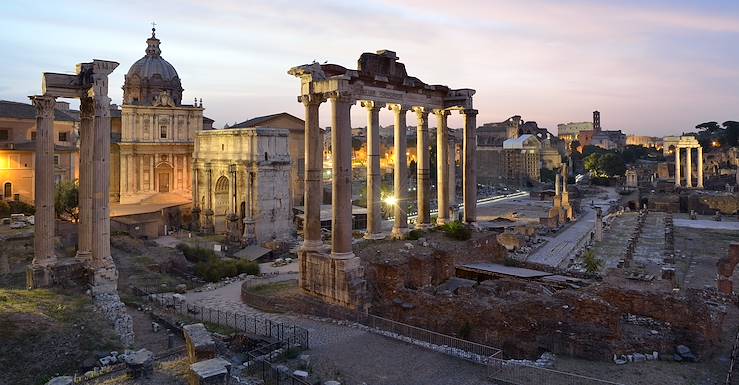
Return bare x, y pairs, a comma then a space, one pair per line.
391, 200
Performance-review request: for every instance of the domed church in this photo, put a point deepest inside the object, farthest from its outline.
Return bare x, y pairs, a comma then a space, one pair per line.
154, 154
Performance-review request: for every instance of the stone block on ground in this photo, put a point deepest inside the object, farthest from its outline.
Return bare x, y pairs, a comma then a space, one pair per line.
214, 371
140, 363
199, 343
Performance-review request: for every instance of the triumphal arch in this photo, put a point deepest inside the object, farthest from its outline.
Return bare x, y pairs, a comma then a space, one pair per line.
380, 81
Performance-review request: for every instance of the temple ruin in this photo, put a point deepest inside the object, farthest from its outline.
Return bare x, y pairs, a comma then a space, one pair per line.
673, 144
379, 81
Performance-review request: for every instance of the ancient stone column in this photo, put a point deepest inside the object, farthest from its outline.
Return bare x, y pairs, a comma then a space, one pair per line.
152, 159
84, 228
195, 223
313, 173
140, 170
105, 275
341, 197
599, 225
423, 220
400, 172
209, 226
688, 167
700, 167
374, 179
442, 166
43, 241
470, 166
677, 166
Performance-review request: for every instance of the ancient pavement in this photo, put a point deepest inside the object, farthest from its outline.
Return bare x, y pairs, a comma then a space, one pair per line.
562, 245
356, 355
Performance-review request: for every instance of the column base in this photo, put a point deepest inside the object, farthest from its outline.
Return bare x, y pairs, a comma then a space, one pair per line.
423, 226
312, 245
399, 233
347, 255
333, 280
83, 256
375, 236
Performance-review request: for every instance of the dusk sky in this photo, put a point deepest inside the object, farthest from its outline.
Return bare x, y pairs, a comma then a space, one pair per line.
650, 67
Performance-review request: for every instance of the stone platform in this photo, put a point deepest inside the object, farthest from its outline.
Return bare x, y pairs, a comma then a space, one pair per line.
335, 281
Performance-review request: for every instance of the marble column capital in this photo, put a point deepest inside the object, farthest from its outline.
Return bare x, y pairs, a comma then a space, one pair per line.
441, 112
371, 105
312, 99
468, 112
340, 97
44, 105
422, 114
398, 108
87, 107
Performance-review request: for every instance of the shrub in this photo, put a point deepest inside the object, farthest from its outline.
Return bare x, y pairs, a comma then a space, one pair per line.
4, 209
457, 230
18, 207
214, 269
196, 254
415, 234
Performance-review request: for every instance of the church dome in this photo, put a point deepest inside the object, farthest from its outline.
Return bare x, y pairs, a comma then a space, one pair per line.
149, 76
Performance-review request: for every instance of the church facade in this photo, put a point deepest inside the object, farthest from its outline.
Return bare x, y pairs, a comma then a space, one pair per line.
152, 161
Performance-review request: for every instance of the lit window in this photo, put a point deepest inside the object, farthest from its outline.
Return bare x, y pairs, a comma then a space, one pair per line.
33, 135
163, 132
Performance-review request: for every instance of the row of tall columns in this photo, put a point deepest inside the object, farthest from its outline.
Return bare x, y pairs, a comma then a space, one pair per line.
43, 242
688, 167
342, 172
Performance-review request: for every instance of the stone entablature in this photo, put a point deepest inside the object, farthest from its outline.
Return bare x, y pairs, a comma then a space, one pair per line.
242, 177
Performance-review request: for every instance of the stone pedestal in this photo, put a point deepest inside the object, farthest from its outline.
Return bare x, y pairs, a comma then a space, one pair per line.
335, 281
61, 273
209, 227
214, 371
199, 343
249, 237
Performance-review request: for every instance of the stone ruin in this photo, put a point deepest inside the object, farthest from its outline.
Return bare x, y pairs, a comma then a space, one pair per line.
380, 80
205, 367
562, 210
90, 85
726, 266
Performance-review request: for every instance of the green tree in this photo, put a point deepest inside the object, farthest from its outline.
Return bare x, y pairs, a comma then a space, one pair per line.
732, 133
710, 127
66, 200
547, 175
592, 164
611, 164
574, 145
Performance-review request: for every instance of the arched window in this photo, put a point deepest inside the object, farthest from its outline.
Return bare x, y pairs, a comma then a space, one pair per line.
8, 190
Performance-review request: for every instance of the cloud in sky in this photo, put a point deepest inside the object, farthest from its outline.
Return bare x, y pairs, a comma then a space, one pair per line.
652, 67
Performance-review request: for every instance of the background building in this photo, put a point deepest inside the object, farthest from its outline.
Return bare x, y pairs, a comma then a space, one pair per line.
521, 160
18, 147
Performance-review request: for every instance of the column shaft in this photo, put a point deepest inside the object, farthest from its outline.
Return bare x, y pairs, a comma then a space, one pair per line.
422, 169
688, 167
101, 184
84, 229
374, 178
341, 197
700, 167
140, 187
470, 166
442, 166
151, 172
43, 242
313, 173
677, 166
400, 172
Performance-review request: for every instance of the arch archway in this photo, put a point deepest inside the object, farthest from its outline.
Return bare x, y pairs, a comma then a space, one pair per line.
220, 194
164, 173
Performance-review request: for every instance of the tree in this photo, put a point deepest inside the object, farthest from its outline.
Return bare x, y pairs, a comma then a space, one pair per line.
592, 164
710, 127
547, 175
66, 200
574, 146
611, 164
412, 168
732, 133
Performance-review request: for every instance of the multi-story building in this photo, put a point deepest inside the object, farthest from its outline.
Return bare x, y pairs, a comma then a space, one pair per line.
18, 147
521, 160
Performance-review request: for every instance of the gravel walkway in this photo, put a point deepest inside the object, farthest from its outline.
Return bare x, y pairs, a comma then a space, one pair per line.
355, 356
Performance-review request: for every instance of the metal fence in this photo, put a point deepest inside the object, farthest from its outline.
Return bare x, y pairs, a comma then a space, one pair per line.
293, 336
516, 373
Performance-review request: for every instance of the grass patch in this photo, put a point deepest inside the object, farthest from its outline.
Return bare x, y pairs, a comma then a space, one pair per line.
457, 230
216, 269
46, 333
272, 288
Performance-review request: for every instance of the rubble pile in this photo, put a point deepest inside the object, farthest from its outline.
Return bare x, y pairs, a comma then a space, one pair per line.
114, 310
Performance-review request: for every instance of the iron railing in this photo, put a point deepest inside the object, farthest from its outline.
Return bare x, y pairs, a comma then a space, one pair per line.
516, 373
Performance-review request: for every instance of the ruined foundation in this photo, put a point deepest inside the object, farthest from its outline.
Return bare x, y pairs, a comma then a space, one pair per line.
335, 281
